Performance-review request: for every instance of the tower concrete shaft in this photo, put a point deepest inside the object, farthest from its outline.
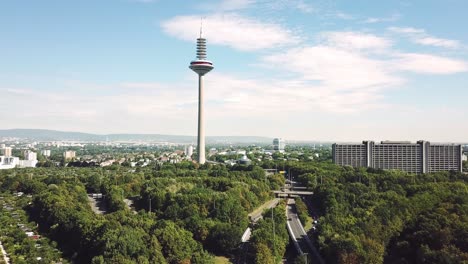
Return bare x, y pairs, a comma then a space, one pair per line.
201, 122
201, 66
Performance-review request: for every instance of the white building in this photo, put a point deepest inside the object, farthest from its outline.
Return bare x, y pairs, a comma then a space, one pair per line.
69, 154
30, 155
278, 144
8, 162
189, 151
30, 159
45, 152
107, 163
27, 163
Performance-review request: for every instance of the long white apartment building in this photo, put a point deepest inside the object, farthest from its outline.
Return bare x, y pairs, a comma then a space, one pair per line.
420, 157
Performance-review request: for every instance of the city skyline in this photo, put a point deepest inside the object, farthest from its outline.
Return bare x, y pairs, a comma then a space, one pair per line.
302, 70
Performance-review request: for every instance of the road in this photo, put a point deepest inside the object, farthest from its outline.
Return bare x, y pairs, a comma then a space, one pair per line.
130, 204
4, 254
254, 216
299, 235
97, 205
295, 226
257, 213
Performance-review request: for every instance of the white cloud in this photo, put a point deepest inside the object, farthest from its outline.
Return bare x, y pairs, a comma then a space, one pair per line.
406, 30
231, 30
337, 69
230, 5
438, 42
355, 40
304, 7
419, 36
373, 20
233, 97
343, 15
287, 4
431, 64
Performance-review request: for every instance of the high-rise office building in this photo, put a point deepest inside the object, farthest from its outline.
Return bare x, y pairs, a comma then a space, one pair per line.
278, 144
30, 155
7, 151
422, 157
189, 151
201, 66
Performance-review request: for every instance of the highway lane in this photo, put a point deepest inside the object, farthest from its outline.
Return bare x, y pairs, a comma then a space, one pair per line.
298, 231
300, 234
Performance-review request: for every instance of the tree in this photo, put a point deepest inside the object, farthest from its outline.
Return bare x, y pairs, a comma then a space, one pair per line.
177, 243
223, 238
263, 254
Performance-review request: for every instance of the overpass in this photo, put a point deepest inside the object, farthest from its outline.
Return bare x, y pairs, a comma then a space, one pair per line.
291, 194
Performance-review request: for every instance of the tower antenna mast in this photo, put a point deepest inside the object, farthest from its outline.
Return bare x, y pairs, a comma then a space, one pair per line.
201, 27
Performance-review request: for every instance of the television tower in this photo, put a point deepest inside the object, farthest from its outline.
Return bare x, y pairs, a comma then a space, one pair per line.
201, 66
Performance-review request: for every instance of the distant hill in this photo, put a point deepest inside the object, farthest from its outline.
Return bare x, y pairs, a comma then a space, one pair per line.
54, 135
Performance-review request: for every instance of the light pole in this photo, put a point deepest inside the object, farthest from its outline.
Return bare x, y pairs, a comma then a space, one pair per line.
273, 219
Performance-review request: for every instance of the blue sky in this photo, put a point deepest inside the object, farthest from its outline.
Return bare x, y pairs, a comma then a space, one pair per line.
297, 69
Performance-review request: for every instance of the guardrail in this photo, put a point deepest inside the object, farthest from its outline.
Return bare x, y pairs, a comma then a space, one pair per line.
246, 235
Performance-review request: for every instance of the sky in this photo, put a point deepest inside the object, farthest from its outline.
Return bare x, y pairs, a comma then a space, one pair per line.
335, 70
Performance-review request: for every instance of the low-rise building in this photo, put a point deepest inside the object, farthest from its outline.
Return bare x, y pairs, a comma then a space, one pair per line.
69, 154
244, 160
8, 162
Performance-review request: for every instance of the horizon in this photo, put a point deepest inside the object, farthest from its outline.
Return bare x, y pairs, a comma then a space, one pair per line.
330, 71
240, 136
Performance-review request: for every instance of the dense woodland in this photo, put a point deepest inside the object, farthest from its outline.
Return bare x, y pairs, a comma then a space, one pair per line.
188, 214
195, 212
375, 216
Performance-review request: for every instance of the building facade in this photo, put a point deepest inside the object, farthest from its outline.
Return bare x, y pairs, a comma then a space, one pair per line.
69, 154
8, 162
189, 151
420, 157
45, 152
30, 155
7, 151
278, 144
